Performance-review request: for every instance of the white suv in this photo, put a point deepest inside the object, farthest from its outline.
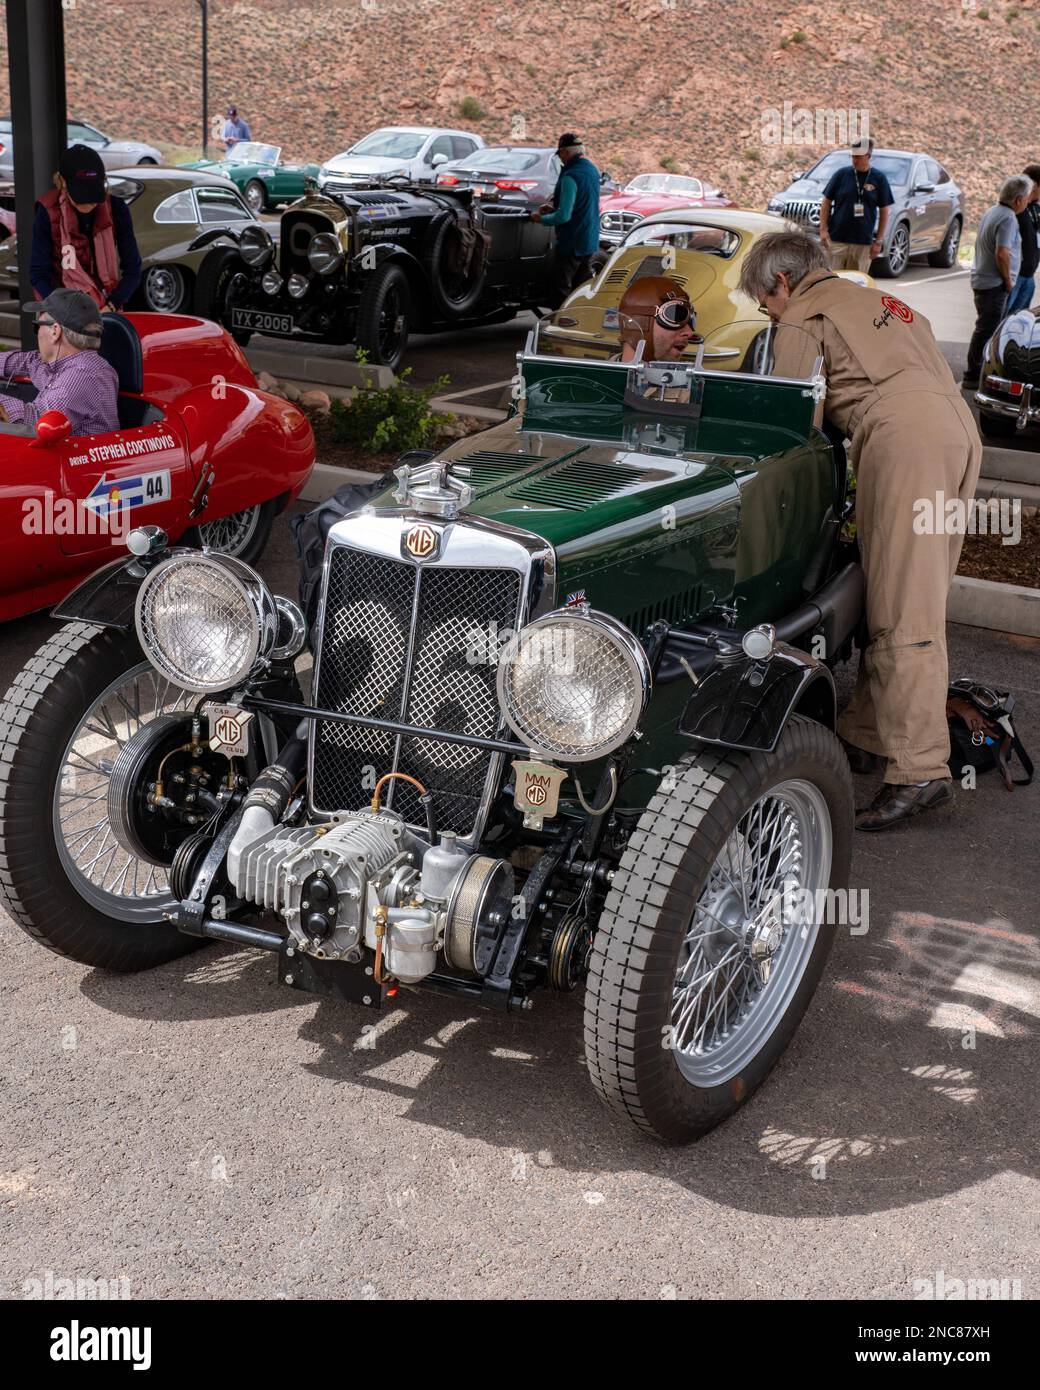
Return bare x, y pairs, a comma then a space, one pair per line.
415, 151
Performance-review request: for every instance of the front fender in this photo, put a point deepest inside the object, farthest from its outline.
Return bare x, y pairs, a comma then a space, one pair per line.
743, 703
107, 597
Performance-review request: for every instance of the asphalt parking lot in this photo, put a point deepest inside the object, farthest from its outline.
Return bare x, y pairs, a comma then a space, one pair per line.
200, 1131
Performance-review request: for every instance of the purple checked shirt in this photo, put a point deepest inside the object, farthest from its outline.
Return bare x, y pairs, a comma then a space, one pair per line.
83, 385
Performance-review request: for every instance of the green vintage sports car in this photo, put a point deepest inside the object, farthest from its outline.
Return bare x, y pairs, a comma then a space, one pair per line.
260, 174
571, 728
177, 216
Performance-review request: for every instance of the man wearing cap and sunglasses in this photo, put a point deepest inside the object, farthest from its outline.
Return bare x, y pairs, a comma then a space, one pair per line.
574, 212
83, 236
68, 372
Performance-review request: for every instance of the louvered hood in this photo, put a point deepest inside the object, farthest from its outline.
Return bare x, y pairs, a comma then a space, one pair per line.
563, 489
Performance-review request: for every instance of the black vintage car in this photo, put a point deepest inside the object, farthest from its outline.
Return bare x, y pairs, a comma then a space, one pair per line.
1008, 397
371, 265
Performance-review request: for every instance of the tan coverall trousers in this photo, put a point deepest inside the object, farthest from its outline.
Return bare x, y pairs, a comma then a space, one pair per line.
849, 255
898, 709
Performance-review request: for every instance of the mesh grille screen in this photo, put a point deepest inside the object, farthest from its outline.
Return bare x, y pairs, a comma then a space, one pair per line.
364, 648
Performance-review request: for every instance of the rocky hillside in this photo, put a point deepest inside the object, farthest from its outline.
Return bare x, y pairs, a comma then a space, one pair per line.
680, 84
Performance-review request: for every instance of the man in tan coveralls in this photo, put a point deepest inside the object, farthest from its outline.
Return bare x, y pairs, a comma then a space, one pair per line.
891, 392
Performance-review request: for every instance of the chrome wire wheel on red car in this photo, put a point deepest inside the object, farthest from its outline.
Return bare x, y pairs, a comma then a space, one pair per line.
713, 936
89, 726
243, 534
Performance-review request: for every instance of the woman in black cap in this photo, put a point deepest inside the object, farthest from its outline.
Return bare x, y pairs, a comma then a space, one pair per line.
83, 236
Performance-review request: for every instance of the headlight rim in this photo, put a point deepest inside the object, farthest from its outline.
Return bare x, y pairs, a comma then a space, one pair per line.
631, 650
337, 260
255, 236
257, 596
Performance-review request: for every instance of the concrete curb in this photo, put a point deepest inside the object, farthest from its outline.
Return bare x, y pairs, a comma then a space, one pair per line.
316, 371
1011, 465
1000, 607
326, 478
998, 487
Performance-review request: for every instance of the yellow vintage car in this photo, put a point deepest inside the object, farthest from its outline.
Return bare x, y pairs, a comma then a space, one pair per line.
703, 249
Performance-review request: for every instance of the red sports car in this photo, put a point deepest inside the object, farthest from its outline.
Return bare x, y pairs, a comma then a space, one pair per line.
200, 451
646, 193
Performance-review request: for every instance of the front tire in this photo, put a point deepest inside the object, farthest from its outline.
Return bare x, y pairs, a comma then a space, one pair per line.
383, 316
680, 1025
895, 261
64, 877
213, 288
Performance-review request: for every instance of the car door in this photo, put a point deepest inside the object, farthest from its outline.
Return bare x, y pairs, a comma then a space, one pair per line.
922, 228
441, 145
131, 477
30, 483
942, 199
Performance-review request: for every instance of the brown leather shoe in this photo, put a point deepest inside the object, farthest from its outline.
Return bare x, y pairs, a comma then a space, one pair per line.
894, 804
860, 760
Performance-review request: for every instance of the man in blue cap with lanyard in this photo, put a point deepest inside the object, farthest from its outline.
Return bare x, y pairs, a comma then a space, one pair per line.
574, 212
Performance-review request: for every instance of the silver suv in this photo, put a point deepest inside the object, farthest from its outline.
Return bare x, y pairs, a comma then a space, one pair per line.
927, 216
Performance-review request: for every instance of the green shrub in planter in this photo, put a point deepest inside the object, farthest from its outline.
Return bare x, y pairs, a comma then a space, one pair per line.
392, 418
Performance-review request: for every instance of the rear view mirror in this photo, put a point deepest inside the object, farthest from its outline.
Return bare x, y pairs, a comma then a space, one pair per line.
439, 159
924, 187
52, 427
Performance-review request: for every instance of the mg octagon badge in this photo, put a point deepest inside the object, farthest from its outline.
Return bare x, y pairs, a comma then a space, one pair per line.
421, 541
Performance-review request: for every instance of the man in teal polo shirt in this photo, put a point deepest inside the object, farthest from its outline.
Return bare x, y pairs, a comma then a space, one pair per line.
574, 212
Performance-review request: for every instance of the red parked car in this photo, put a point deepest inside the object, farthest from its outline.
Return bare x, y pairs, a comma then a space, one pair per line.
200, 452
646, 193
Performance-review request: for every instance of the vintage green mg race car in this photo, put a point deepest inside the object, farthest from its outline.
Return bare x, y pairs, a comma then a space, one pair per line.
570, 727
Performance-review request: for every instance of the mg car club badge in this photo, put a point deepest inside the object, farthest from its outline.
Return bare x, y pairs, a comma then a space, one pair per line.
537, 791
421, 541
228, 729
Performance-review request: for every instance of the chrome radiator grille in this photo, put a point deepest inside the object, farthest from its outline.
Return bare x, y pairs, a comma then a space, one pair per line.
394, 645
804, 210
618, 223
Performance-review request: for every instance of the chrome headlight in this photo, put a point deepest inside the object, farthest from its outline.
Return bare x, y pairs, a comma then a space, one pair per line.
204, 621
298, 285
255, 246
574, 685
325, 253
271, 283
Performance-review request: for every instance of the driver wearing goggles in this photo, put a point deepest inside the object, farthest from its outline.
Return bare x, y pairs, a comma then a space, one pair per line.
656, 311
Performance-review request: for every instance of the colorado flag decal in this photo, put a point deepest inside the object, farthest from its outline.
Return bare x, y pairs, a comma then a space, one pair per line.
114, 494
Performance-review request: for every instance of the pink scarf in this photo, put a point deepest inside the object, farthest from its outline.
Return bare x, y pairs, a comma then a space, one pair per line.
78, 276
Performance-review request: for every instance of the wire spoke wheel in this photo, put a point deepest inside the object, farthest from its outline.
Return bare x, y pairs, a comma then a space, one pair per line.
102, 872
752, 932
713, 936
231, 535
